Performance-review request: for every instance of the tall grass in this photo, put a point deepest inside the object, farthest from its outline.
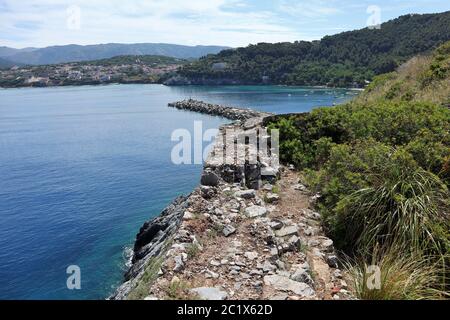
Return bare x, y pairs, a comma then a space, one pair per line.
401, 225
405, 205
402, 277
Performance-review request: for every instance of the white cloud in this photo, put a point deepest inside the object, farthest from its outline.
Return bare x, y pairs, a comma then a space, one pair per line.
223, 22
219, 22
310, 8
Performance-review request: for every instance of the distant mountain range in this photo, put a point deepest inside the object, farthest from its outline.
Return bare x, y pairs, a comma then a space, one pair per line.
5, 63
77, 53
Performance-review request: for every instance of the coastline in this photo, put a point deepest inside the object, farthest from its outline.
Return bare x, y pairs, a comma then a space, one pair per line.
154, 237
95, 84
167, 246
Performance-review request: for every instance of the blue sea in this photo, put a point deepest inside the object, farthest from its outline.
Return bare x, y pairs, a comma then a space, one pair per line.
82, 168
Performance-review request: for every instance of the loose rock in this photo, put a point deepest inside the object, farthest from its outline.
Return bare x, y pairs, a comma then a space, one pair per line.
251, 255
228, 230
272, 198
287, 231
255, 211
246, 194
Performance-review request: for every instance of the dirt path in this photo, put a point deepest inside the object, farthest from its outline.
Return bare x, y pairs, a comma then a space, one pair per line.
246, 244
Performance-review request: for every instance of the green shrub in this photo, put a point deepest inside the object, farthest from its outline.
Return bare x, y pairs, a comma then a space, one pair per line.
430, 150
440, 66
394, 91
306, 139
192, 250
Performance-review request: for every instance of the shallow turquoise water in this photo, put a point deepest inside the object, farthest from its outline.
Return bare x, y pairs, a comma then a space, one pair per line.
81, 168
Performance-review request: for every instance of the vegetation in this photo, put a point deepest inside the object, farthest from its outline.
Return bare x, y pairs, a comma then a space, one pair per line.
346, 59
179, 290
192, 250
402, 277
421, 79
381, 164
151, 273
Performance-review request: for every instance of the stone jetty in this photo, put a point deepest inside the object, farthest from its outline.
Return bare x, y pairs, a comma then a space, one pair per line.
231, 113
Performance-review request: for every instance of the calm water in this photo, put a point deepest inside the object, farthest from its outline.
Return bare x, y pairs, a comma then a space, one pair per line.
81, 168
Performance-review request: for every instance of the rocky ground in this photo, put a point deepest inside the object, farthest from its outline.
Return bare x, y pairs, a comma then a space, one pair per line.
247, 244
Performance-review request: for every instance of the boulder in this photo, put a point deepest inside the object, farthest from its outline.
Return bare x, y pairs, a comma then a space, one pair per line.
270, 173
268, 267
327, 244
293, 243
300, 187
209, 179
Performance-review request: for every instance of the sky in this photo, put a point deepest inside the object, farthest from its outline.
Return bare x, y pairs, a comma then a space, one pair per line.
234, 23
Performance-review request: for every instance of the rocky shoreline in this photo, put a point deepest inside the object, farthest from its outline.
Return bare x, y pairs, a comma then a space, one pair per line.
247, 232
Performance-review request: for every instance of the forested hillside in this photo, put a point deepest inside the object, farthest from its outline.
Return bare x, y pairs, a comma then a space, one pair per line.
346, 59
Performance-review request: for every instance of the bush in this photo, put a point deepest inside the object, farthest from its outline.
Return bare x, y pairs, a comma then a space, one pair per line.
440, 66
430, 150
306, 139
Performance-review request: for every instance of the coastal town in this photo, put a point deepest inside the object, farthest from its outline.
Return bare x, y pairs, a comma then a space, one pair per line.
124, 69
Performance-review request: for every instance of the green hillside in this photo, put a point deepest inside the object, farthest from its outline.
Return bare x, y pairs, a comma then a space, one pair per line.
346, 59
381, 164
